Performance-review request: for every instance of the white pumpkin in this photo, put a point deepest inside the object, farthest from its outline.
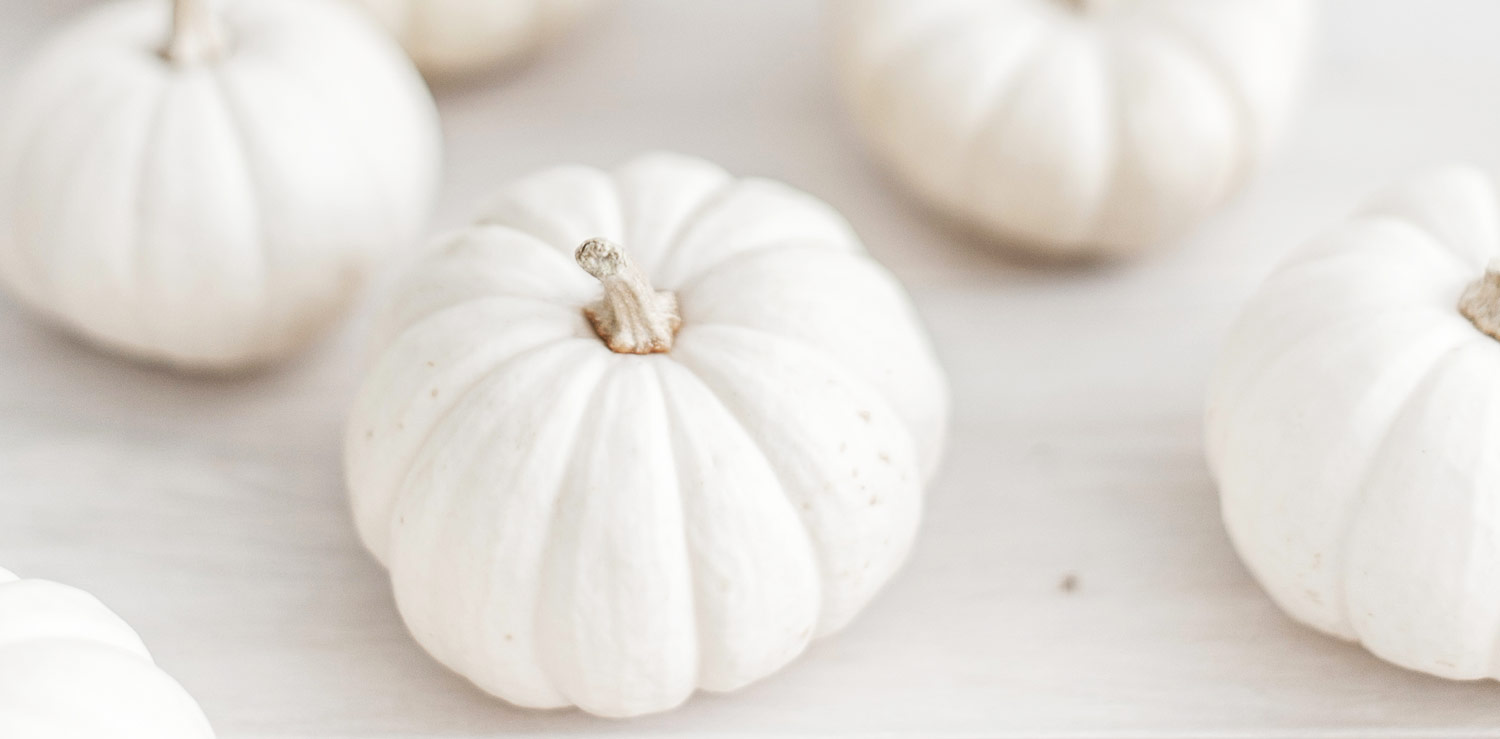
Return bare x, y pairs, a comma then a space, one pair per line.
214, 202
608, 502
1354, 429
450, 38
71, 669
1072, 127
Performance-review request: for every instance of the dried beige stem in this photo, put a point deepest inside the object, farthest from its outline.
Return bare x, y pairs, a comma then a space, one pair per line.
632, 317
196, 36
1481, 301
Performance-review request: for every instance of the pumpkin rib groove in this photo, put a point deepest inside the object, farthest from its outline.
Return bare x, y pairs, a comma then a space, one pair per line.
1003, 110
1352, 318
1000, 95
728, 409
574, 425
68, 177
673, 422
568, 298
234, 107
455, 400
754, 252
1491, 423
674, 273
1330, 248
545, 222
453, 657
856, 380
1291, 353
1354, 512
754, 249
684, 229
1114, 162
365, 156
423, 321
1492, 664
63, 176
61, 100
1171, 30
469, 630
591, 410
782, 494
869, 384
1435, 241
919, 43
1246, 529
138, 236
782, 488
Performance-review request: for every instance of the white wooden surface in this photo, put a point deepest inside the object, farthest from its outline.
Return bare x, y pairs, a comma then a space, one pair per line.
211, 515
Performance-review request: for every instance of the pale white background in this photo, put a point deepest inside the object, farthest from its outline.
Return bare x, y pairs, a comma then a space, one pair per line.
211, 515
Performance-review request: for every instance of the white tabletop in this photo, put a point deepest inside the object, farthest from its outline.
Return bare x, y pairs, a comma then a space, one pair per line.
211, 514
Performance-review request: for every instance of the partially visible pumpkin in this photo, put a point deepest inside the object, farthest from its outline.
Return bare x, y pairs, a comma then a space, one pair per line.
454, 38
210, 193
1072, 127
1354, 429
71, 669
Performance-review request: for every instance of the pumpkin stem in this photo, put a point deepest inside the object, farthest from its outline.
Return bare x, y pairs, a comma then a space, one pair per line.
1481, 301
632, 317
196, 34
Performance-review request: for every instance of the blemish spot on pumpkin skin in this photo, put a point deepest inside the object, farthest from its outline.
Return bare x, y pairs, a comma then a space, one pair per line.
885, 457
1069, 583
508, 637
865, 415
431, 363
369, 433
434, 392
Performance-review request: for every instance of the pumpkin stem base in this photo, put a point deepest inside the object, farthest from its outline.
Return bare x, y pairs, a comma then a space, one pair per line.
632, 317
196, 34
1481, 302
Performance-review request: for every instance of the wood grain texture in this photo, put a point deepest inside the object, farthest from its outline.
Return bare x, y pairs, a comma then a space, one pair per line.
211, 515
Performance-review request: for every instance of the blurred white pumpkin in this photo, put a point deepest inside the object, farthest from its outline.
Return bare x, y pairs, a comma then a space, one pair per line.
212, 197
1354, 429
609, 502
451, 38
71, 669
1072, 127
